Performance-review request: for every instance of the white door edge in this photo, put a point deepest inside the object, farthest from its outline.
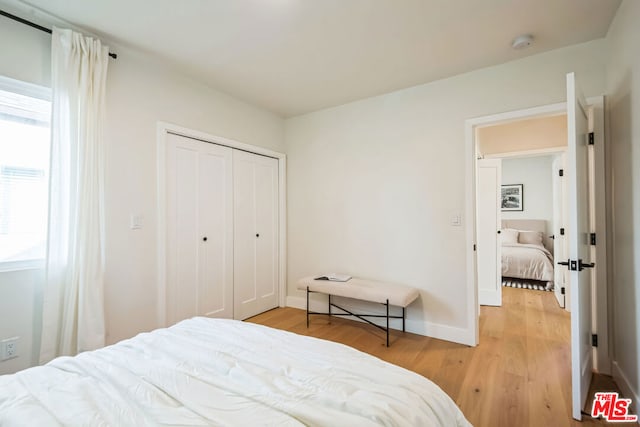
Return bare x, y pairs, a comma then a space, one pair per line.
489, 225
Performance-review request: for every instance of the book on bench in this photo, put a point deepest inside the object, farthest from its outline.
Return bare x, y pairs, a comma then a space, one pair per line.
334, 277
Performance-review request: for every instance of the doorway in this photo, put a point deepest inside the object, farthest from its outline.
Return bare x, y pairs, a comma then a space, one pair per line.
530, 220
599, 290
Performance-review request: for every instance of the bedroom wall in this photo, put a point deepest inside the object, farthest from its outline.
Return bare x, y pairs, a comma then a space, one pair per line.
373, 185
25, 56
141, 91
623, 105
535, 174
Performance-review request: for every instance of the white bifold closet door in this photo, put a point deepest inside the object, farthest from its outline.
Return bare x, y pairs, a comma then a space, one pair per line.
222, 231
255, 189
199, 229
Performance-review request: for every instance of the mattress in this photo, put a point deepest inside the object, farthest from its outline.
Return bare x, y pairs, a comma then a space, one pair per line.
222, 372
526, 261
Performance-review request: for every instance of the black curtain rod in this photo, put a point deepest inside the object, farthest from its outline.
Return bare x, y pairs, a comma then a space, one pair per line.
36, 26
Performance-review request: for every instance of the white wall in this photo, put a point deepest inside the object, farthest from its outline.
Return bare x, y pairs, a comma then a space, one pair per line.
373, 184
26, 53
141, 91
535, 174
20, 305
25, 56
623, 105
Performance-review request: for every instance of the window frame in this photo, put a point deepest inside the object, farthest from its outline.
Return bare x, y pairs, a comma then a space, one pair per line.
34, 91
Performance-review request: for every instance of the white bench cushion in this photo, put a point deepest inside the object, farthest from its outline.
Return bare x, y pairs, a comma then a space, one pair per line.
367, 290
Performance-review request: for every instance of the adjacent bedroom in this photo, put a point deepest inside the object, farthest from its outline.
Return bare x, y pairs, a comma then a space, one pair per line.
526, 159
317, 213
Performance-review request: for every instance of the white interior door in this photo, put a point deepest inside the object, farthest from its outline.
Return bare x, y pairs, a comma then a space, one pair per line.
199, 229
579, 248
559, 251
255, 234
489, 249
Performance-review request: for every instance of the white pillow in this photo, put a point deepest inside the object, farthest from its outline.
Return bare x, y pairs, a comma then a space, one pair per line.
509, 235
530, 237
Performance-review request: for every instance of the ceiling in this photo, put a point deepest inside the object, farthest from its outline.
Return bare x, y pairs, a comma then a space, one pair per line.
296, 56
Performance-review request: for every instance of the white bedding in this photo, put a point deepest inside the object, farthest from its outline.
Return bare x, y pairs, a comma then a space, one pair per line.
527, 261
223, 372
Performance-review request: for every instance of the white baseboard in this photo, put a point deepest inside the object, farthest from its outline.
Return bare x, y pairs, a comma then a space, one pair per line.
297, 302
625, 387
429, 329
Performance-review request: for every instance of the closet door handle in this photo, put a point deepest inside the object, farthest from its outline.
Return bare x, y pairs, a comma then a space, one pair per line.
499, 231
257, 234
204, 239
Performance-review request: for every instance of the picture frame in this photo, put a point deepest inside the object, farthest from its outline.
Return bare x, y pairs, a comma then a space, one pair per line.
512, 197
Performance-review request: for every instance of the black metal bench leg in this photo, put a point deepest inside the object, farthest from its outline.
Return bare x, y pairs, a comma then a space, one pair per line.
403, 316
387, 323
307, 306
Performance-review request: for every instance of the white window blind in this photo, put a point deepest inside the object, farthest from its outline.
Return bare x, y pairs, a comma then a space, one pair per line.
24, 175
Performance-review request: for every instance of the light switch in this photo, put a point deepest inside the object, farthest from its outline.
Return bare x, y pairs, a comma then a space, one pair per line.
135, 221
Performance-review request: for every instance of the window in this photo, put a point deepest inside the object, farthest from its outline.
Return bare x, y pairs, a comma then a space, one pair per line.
25, 113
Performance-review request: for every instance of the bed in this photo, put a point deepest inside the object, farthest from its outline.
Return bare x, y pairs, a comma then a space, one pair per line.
206, 371
526, 251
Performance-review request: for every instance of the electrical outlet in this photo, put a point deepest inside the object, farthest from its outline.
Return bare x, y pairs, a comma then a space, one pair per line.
9, 348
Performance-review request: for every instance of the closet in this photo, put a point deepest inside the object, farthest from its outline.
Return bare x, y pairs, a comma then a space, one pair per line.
221, 230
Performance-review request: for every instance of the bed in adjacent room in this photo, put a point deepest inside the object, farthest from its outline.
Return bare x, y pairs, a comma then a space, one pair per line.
526, 251
206, 371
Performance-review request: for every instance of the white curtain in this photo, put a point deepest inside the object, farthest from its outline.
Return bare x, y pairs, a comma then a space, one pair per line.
73, 301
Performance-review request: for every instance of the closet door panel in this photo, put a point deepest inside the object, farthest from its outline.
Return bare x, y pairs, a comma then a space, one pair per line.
244, 232
215, 285
255, 234
266, 184
199, 229
184, 251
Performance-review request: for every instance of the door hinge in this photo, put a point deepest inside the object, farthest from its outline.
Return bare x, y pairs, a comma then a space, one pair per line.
561, 172
474, 247
592, 139
562, 290
562, 231
594, 340
592, 238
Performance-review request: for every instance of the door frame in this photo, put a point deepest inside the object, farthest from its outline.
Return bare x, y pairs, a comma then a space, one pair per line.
162, 130
602, 355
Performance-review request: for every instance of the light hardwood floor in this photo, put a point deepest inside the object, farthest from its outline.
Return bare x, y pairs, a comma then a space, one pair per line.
519, 374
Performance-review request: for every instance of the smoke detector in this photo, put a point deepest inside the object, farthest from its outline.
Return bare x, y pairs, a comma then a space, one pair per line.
522, 42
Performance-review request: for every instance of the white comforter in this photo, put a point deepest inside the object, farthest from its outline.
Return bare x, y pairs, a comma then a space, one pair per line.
527, 262
223, 372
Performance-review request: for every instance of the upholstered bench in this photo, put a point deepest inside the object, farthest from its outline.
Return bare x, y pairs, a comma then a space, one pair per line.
366, 290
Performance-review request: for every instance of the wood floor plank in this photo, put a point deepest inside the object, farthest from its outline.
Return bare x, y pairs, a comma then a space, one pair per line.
519, 374
478, 391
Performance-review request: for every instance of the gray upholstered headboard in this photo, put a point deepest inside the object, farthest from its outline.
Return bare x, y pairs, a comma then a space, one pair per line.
531, 225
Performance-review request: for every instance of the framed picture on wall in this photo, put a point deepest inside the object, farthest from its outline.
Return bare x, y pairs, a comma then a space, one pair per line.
512, 197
